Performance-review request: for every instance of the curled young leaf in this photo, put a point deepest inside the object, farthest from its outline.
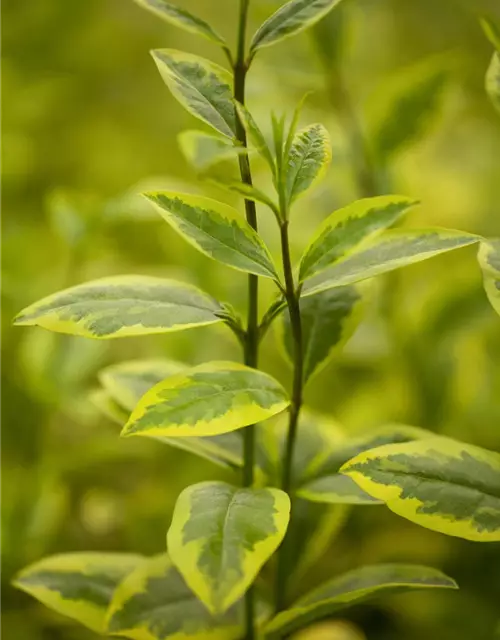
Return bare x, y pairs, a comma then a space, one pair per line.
393, 250
291, 18
207, 400
202, 87
489, 261
121, 306
438, 483
221, 536
78, 585
308, 158
353, 588
217, 230
345, 229
183, 19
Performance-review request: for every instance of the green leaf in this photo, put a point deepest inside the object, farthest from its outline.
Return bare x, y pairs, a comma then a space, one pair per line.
344, 230
392, 250
210, 399
78, 585
438, 483
492, 81
155, 603
103, 401
328, 321
216, 229
308, 158
126, 382
291, 18
353, 588
255, 135
489, 261
202, 87
202, 150
221, 536
183, 19
249, 192
325, 483
407, 106
121, 306
491, 31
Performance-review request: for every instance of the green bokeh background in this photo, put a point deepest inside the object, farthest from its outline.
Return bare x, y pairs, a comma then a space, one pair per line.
87, 124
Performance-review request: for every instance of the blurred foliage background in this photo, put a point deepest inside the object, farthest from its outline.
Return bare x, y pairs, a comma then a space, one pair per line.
88, 122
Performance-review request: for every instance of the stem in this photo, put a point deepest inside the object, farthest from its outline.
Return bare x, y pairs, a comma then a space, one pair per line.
292, 299
251, 345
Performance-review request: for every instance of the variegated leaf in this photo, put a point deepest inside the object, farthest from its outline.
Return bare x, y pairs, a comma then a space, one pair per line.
155, 603
489, 260
392, 250
353, 588
78, 585
183, 19
291, 18
438, 483
216, 229
325, 483
308, 158
122, 306
221, 536
210, 399
201, 86
346, 229
329, 319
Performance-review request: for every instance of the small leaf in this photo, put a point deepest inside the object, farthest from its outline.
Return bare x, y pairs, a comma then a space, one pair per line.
308, 158
291, 18
255, 135
393, 250
407, 106
183, 19
78, 585
216, 229
221, 536
210, 399
154, 602
202, 87
491, 31
249, 192
353, 588
103, 401
325, 483
493, 80
121, 306
438, 483
489, 261
202, 150
328, 321
344, 230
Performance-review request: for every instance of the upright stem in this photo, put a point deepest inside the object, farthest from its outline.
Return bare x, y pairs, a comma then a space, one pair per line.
292, 299
251, 346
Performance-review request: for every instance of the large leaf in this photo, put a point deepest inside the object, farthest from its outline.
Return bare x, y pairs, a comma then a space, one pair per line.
407, 106
353, 588
438, 483
325, 483
492, 81
122, 306
489, 260
347, 228
78, 585
308, 158
202, 87
215, 229
182, 18
392, 250
221, 536
155, 603
207, 400
328, 321
290, 19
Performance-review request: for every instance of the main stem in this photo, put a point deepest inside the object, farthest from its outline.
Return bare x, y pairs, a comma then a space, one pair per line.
292, 299
251, 345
